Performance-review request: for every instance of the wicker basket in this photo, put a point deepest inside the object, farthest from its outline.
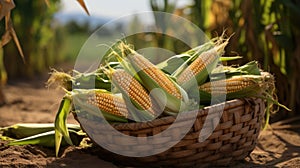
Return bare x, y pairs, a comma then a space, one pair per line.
234, 137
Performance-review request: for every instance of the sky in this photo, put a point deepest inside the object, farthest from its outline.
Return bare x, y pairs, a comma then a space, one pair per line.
111, 8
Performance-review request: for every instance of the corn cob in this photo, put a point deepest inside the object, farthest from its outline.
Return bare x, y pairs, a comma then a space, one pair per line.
156, 74
235, 87
135, 93
200, 67
109, 103
177, 63
171, 65
151, 78
87, 102
231, 85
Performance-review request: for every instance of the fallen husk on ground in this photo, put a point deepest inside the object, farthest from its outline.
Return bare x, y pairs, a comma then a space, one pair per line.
39, 134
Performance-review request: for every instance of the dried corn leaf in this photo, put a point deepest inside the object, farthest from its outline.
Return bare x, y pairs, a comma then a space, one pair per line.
9, 28
82, 4
5, 7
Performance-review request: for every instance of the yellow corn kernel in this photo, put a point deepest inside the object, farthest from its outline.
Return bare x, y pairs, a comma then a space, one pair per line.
109, 103
197, 66
134, 89
201, 67
156, 74
151, 77
230, 85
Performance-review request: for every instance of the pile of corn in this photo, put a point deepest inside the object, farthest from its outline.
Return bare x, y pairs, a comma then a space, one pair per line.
133, 89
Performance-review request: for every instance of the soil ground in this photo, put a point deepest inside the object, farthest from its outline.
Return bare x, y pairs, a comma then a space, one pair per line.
29, 102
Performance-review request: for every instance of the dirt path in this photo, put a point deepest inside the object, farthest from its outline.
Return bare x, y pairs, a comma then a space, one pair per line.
33, 103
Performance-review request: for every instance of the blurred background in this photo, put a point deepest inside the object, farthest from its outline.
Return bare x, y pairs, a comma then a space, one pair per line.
52, 35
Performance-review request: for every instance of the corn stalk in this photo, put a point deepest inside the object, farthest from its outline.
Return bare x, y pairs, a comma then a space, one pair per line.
9, 34
5, 11
265, 31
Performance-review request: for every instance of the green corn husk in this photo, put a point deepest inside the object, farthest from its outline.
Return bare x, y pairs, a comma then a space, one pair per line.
47, 139
61, 130
92, 80
221, 72
251, 68
23, 130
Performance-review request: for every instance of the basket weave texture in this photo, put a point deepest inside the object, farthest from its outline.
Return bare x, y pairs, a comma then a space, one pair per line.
233, 137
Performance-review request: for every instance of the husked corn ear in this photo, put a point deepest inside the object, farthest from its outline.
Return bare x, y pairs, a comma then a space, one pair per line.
230, 85
235, 87
197, 66
156, 74
134, 90
109, 103
176, 63
201, 67
167, 93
